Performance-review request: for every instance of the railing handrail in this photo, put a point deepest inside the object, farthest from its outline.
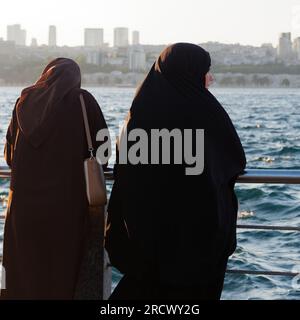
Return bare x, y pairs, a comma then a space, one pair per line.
271, 176
276, 176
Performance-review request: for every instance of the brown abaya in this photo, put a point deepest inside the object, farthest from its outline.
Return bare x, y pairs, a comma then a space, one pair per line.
46, 216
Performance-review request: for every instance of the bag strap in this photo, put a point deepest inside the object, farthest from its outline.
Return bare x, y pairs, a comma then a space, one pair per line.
86, 126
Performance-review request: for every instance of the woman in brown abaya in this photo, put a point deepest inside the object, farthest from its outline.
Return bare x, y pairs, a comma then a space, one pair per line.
46, 217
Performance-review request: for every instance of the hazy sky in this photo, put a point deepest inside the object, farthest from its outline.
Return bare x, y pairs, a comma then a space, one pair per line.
159, 21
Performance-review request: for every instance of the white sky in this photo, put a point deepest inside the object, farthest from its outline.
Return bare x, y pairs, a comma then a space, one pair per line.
159, 21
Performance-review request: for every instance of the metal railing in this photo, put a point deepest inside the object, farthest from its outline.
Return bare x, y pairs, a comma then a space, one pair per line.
274, 176
260, 176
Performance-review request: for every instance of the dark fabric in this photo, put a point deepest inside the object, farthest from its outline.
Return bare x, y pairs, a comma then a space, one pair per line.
161, 220
40, 102
46, 217
149, 288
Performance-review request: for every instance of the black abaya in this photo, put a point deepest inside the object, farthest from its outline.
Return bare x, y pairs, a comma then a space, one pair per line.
176, 229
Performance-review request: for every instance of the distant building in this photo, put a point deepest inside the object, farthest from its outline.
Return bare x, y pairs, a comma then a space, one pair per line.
285, 46
121, 37
137, 58
116, 61
95, 58
93, 37
16, 34
296, 48
34, 43
52, 36
7, 47
267, 45
236, 54
135, 37
23, 37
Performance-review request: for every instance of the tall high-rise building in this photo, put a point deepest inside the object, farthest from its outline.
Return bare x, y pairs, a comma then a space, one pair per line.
296, 47
121, 37
16, 34
93, 37
135, 37
52, 36
137, 58
285, 46
22, 41
12, 32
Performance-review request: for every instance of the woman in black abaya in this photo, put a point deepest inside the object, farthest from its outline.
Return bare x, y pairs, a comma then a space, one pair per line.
169, 233
45, 226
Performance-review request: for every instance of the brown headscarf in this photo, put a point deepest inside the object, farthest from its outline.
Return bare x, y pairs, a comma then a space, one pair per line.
40, 102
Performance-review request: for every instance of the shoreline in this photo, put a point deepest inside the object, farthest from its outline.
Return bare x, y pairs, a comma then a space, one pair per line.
134, 87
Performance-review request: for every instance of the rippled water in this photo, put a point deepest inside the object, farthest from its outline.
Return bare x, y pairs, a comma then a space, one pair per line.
268, 123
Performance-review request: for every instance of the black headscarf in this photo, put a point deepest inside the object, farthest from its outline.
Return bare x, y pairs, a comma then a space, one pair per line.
181, 227
40, 102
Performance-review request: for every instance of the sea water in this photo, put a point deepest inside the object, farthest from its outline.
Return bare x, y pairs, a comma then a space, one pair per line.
268, 123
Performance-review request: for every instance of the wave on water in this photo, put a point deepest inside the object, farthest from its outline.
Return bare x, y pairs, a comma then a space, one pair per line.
245, 214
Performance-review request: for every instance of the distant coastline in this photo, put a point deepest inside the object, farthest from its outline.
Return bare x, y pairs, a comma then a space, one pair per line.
221, 80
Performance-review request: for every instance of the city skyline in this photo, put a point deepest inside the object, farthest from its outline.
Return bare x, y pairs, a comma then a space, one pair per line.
232, 21
92, 36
